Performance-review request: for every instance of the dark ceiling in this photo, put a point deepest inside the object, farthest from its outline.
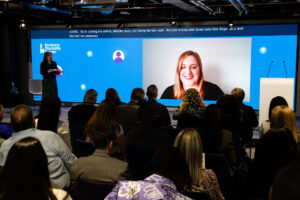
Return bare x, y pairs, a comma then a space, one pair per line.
45, 12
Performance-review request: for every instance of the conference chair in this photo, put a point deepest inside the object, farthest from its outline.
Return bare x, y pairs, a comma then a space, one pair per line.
93, 190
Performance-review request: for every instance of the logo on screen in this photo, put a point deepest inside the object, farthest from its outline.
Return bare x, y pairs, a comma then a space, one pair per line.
118, 56
42, 50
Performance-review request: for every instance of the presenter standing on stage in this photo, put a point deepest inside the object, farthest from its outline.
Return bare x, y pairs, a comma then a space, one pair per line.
49, 70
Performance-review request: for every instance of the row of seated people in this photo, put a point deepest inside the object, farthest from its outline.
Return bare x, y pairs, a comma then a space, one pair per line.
149, 132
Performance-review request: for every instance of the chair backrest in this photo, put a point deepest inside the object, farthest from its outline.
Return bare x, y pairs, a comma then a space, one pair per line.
93, 190
197, 195
220, 165
35, 86
83, 148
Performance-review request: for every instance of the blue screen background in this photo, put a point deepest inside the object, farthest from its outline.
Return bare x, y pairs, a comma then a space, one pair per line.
99, 71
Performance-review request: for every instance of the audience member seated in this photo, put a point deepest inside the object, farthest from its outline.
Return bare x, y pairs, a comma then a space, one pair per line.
215, 139
170, 176
25, 174
232, 120
276, 101
60, 158
79, 115
284, 117
100, 166
5, 130
112, 96
127, 114
143, 141
191, 111
48, 119
160, 110
286, 184
189, 143
248, 114
105, 116
274, 151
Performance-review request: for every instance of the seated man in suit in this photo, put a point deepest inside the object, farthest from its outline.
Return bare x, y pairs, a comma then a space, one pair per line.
60, 158
5, 130
161, 111
79, 115
127, 114
100, 166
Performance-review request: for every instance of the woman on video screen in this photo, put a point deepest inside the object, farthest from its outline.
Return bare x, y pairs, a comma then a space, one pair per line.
189, 74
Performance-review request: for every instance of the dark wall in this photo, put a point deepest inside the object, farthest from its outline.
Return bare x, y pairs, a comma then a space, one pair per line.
14, 70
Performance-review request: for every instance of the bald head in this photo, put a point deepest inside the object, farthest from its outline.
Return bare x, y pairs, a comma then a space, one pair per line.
21, 118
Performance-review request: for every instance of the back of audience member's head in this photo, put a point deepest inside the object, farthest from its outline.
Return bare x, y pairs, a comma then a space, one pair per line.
90, 96
49, 113
137, 94
112, 95
189, 143
152, 92
21, 118
286, 184
170, 163
25, 173
102, 137
276, 101
148, 116
284, 117
192, 97
229, 108
1, 111
239, 94
104, 116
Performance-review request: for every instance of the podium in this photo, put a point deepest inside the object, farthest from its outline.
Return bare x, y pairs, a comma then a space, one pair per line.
272, 87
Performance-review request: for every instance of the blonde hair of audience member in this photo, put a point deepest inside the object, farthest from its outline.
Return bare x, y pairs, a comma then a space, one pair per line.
191, 98
284, 117
189, 143
178, 87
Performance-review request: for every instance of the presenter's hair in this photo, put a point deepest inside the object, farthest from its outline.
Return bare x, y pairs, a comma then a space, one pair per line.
46, 54
178, 89
189, 143
26, 168
284, 117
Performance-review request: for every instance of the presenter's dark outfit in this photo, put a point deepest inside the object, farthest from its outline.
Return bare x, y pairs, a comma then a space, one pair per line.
211, 92
49, 79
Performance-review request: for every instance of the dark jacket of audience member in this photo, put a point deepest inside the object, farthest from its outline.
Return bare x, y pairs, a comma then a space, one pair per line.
79, 115
25, 174
127, 114
142, 142
231, 119
161, 111
215, 139
248, 114
274, 151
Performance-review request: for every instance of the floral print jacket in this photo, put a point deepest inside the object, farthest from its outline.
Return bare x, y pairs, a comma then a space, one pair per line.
153, 187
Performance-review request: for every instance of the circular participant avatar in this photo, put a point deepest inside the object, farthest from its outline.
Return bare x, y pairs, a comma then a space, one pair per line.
118, 56
60, 74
